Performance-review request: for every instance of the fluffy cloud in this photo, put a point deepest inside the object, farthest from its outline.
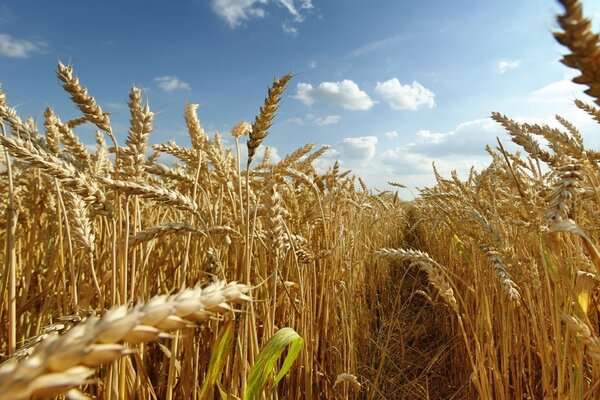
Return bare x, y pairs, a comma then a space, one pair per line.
289, 29
392, 134
310, 119
403, 162
345, 93
507, 65
405, 97
563, 91
18, 48
171, 83
328, 120
469, 138
358, 148
237, 11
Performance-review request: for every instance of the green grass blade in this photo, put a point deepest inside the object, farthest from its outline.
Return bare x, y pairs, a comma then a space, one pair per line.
265, 362
217, 360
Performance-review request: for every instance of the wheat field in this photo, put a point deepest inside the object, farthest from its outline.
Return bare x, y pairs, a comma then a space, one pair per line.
221, 276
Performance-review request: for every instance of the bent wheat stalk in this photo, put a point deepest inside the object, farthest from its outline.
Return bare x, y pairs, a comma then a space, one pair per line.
59, 363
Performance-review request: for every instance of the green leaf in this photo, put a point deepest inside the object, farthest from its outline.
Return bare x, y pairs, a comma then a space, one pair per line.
268, 356
217, 360
462, 249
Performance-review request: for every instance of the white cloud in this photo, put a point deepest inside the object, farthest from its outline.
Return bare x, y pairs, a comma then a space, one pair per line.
328, 120
18, 48
507, 65
171, 83
345, 93
310, 118
392, 134
312, 65
469, 138
403, 161
405, 97
426, 136
289, 5
237, 11
289, 29
563, 91
306, 4
358, 148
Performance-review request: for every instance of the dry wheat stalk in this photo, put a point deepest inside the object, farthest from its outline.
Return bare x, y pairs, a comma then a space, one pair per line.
60, 362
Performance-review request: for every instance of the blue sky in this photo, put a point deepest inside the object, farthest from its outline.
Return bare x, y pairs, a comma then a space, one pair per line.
390, 85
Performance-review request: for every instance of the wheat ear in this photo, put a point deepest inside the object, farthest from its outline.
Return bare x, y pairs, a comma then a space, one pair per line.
86, 103
584, 55
427, 264
263, 120
62, 362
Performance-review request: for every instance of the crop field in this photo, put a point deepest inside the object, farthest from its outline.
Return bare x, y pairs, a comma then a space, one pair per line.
226, 276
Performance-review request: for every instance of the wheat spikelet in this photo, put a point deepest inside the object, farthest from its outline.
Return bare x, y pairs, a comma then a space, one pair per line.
79, 94
263, 120
101, 165
58, 363
157, 193
523, 138
186, 155
240, 129
197, 135
427, 264
17, 126
52, 133
66, 173
564, 192
575, 134
140, 126
578, 37
275, 225
82, 228
179, 174
162, 230
501, 271
71, 143
591, 110
583, 332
